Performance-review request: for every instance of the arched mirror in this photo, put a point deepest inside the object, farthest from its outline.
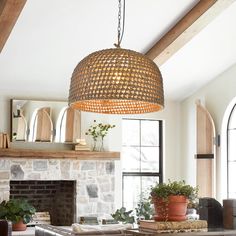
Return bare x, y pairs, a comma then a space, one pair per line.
44, 121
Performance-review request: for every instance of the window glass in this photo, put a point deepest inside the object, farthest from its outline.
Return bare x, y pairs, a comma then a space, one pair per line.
232, 145
149, 159
130, 133
232, 121
134, 186
141, 158
231, 153
232, 178
131, 158
150, 133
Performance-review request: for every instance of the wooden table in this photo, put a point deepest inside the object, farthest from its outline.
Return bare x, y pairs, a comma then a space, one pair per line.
210, 232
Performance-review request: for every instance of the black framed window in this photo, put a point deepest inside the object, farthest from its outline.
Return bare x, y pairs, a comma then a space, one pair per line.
231, 153
142, 157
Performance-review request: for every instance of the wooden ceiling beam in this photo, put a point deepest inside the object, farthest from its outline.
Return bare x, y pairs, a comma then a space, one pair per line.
190, 25
9, 13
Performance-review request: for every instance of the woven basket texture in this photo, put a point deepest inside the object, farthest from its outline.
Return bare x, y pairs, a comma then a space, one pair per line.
116, 81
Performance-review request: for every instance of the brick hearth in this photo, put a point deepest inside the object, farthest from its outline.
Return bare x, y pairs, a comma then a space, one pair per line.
56, 197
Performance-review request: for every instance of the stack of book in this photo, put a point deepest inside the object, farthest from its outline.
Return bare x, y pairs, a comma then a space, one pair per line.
4, 140
173, 226
40, 218
81, 145
87, 220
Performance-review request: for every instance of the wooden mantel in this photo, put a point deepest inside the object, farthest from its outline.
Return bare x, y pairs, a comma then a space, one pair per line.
60, 154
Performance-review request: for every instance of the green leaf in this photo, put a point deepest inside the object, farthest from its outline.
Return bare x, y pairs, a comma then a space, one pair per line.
16, 209
122, 215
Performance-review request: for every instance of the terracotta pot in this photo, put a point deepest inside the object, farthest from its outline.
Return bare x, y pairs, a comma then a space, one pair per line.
19, 226
172, 209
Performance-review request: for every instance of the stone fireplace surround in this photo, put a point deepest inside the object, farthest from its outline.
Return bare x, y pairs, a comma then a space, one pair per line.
95, 179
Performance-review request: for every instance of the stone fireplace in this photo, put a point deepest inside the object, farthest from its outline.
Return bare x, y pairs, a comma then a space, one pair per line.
93, 180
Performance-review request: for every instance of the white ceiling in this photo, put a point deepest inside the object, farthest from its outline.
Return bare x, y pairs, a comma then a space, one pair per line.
206, 56
52, 36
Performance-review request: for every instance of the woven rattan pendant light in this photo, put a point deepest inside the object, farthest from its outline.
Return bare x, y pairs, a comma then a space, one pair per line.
116, 81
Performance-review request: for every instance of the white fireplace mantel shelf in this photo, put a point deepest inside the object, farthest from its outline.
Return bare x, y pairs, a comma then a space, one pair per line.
58, 154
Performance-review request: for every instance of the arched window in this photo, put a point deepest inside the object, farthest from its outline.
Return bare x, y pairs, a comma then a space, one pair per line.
231, 153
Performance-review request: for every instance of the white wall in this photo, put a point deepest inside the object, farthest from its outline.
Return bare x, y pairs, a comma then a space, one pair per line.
216, 95
170, 115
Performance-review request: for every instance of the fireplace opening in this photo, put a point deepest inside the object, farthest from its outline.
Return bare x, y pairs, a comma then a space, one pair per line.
58, 197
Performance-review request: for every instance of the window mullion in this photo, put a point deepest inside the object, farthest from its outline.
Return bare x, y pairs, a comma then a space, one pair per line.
140, 154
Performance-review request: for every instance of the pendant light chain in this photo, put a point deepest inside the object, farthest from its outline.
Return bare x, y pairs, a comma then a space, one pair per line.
121, 16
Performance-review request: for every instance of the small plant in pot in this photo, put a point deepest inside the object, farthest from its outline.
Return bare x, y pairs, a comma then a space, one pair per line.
18, 211
171, 199
123, 216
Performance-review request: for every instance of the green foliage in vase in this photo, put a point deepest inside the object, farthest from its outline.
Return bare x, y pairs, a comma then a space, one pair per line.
121, 215
99, 130
15, 210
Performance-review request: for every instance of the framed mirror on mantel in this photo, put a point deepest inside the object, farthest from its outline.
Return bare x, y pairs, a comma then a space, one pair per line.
44, 121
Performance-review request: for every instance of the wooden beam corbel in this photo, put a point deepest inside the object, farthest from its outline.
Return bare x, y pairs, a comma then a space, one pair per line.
9, 13
190, 25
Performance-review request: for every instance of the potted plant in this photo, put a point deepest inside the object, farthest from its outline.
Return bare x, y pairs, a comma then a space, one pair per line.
18, 211
170, 200
123, 216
